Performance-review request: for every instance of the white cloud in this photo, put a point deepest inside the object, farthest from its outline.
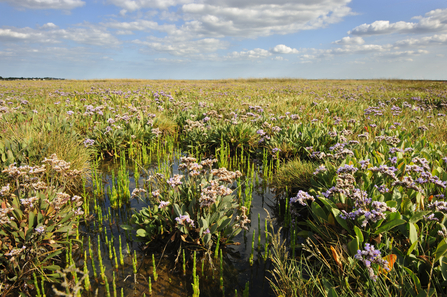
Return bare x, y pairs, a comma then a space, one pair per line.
279, 58
10, 34
48, 26
262, 17
182, 47
257, 53
350, 40
139, 25
436, 39
433, 21
171, 61
46, 4
201, 25
132, 5
87, 34
283, 49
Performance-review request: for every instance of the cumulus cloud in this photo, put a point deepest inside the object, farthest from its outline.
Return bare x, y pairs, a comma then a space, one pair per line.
202, 25
171, 61
279, 58
139, 25
88, 34
251, 18
433, 21
132, 5
182, 47
46, 4
350, 40
437, 39
262, 17
257, 53
283, 49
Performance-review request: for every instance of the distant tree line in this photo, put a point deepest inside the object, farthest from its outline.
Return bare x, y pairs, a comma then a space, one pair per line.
30, 78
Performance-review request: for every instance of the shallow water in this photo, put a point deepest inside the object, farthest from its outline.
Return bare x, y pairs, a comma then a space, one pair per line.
171, 281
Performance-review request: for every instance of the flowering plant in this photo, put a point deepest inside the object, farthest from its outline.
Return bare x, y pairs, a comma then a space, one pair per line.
197, 208
387, 202
36, 220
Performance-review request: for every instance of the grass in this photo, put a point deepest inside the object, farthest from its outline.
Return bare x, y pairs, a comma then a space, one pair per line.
242, 122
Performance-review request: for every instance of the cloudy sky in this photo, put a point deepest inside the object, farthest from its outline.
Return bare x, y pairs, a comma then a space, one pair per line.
212, 39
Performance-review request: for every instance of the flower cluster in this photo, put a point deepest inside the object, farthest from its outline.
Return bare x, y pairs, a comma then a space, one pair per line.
184, 219
242, 220
175, 180
209, 195
226, 176
369, 256
137, 192
373, 211
320, 168
301, 197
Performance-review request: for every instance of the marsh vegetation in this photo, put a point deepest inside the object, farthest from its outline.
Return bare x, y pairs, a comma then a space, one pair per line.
230, 188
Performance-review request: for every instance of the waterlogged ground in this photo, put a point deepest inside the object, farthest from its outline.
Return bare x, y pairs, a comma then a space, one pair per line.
171, 280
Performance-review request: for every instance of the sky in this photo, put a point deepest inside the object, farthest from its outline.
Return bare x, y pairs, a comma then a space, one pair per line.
218, 39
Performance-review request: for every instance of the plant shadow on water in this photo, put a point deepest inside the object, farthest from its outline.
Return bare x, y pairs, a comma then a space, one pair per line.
171, 281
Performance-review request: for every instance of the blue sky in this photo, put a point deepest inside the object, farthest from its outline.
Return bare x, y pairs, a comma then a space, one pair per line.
213, 39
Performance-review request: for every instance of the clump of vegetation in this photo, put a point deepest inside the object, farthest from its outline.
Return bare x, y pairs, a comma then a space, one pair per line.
38, 221
196, 209
294, 175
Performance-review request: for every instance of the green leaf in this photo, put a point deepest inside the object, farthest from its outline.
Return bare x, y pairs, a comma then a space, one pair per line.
443, 264
53, 267
63, 229
416, 217
332, 293
440, 250
203, 223
224, 224
410, 250
207, 238
142, 233
389, 225
177, 210
126, 227
353, 246
359, 234
416, 280
318, 213
31, 218
336, 212
54, 254
413, 233
66, 218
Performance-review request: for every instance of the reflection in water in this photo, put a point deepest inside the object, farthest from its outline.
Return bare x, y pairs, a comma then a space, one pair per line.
171, 281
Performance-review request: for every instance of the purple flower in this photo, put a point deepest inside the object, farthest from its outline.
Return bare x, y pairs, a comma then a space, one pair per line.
276, 150
163, 204
321, 168
301, 197
393, 160
40, 229
184, 219
175, 181
260, 132
369, 256
89, 142
347, 169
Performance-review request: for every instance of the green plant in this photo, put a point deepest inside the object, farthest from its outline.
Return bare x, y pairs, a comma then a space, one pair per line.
294, 175
197, 211
38, 221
